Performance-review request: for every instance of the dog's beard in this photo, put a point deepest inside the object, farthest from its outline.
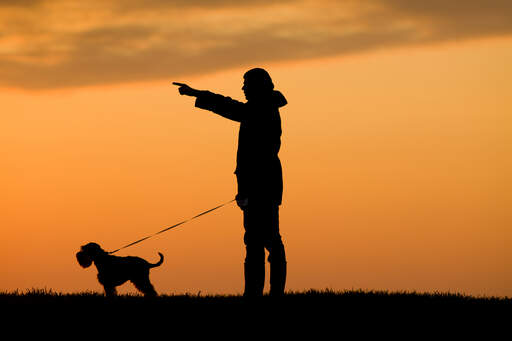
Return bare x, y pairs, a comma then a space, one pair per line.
83, 259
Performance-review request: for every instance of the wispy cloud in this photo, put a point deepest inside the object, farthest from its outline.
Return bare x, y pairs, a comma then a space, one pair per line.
46, 44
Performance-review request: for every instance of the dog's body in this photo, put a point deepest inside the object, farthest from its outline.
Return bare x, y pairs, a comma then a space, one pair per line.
114, 271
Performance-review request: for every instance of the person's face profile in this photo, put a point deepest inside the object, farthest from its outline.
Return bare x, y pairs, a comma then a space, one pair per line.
249, 89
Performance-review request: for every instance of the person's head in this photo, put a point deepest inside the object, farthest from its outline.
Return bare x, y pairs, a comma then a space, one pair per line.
257, 84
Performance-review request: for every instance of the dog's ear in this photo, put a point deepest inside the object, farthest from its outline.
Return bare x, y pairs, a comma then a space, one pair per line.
83, 259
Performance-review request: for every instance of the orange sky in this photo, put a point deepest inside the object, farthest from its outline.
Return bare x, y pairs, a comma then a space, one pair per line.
396, 167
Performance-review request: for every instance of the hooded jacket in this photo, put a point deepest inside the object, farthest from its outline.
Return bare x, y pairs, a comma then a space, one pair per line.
258, 168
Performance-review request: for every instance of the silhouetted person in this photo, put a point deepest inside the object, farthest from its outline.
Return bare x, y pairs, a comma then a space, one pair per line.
258, 172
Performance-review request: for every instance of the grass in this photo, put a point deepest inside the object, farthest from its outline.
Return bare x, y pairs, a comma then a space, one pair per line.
327, 298
318, 310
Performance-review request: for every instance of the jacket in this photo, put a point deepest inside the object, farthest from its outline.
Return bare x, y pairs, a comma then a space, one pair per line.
258, 168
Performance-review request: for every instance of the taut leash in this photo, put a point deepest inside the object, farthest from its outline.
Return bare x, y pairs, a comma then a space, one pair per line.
173, 226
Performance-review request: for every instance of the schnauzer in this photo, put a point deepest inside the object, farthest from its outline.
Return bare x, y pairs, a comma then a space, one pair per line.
114, 271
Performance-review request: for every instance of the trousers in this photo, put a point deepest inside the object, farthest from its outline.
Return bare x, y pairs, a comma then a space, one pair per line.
261, 224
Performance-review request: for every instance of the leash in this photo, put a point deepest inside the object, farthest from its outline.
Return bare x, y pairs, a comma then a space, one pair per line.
173, 226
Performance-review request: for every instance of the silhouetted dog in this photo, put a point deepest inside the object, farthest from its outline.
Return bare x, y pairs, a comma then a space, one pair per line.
114, 271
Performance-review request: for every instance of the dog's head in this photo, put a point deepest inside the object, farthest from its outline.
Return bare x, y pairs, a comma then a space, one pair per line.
88, 253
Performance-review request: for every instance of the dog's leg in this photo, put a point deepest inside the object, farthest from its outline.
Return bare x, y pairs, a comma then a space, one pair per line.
110, 291
144, 286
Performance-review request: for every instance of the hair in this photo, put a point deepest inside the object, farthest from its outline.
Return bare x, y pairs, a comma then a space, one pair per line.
84, 259
261, 78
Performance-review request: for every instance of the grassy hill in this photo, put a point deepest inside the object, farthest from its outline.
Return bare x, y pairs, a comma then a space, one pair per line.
310, 311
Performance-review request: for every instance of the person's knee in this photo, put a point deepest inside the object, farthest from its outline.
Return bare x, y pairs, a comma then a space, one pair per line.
276, 252
255, 253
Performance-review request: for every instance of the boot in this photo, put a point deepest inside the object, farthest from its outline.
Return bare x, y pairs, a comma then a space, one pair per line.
277, 278
254, 274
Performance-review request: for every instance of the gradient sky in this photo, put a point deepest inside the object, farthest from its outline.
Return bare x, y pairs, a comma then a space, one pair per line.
396, 140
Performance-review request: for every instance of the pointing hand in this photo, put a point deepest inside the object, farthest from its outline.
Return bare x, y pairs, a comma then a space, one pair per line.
184, 89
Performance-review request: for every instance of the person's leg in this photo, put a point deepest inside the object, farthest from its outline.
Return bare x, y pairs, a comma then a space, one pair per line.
254, 266
277, 255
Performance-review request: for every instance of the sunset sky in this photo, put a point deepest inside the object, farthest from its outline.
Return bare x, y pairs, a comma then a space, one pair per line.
396, 146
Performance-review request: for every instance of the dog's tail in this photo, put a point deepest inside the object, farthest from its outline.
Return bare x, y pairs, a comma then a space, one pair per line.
157, 263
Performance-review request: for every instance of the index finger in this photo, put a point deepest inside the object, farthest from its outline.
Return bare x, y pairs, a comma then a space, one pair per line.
179, 84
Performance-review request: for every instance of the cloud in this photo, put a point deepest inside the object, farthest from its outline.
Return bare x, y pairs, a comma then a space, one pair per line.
457, 19
51, 44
